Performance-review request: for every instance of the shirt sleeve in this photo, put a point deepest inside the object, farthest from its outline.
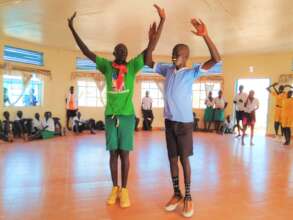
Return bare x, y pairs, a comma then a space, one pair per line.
101, 64
162, 69
197, 71
137, 63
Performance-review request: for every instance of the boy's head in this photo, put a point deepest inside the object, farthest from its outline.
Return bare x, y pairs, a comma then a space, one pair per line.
180, 55
220, 93
120, 53
147, 93
37, 116
290, 93
251, 94
6, 115
210, 93
281, 88
71, 89
228, 117
19, 114
241, 88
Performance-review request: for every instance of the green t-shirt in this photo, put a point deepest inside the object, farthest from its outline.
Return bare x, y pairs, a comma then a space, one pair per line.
119, 102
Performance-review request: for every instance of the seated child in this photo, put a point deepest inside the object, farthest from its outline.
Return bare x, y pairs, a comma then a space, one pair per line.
19, 129
45, 130
228, 127
79, 125
5, 128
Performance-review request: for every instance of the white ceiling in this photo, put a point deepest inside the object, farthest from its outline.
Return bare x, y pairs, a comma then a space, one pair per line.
237, 26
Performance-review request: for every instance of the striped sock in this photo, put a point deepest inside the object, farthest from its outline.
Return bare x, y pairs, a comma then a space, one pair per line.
175, 181
187, 191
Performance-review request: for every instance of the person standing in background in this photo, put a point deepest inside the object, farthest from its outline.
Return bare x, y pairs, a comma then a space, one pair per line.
209, 112
71, 106
239, 100
220, 106
147, 111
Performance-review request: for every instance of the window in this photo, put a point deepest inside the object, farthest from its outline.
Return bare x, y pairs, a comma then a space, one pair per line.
200, 91
23, 56
17, 94
85, 64
154, 92
89, 95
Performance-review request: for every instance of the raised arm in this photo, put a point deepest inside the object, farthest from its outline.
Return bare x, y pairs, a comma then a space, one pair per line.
85, 50
272, 86
201, 31
154, 36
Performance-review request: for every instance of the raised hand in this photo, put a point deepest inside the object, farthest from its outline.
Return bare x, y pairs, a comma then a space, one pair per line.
161, 12
152, 31
70, 20
200, 27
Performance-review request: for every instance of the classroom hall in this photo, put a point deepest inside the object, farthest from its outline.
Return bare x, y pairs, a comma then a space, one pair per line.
104, 115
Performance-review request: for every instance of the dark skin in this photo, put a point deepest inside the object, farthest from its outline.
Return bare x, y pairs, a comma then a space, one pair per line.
71, 89
218, 123
241, 101
280, 90
207, 126
180, 53
120, 51
37, 116
120, 55
180, 56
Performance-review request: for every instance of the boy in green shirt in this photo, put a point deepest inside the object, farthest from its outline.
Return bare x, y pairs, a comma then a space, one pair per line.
119, 113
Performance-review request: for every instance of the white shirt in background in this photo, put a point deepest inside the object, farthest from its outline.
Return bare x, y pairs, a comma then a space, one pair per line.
251, 105
220, 102
37, 124
49, 123
228, 125
240, 105
209, 103
147, 103
77, 119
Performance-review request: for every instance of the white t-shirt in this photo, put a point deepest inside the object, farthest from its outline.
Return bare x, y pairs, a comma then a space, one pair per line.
240, 105
251, 105
228, 125
49, 123
147, 103
37, 124
77, 119
209, 103
219, 102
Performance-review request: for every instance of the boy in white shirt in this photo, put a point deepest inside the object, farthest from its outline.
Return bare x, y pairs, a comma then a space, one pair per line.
79, 125
249, 119
239, 100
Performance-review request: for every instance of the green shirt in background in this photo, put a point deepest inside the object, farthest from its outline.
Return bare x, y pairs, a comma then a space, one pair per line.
119, 102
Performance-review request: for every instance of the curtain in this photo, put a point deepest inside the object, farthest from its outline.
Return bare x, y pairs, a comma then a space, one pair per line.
100, 85
26, 78
209, 87
160, 85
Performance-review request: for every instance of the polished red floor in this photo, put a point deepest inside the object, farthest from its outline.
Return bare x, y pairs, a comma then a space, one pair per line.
68, 178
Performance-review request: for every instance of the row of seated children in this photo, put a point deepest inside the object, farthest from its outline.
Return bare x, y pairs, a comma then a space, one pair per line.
26, 128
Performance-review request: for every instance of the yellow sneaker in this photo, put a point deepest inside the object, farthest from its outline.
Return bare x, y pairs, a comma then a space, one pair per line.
113, 196
124, 198
188, 209
173, 203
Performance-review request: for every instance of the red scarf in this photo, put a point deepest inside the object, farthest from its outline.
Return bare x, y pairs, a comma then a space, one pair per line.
120, 79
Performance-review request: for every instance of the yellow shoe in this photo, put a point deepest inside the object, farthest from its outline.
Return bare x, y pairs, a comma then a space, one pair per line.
187, 209
173, 203
124, 198
113, 196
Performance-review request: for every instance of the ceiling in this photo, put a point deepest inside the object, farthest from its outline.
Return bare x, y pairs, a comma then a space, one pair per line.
236, 26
